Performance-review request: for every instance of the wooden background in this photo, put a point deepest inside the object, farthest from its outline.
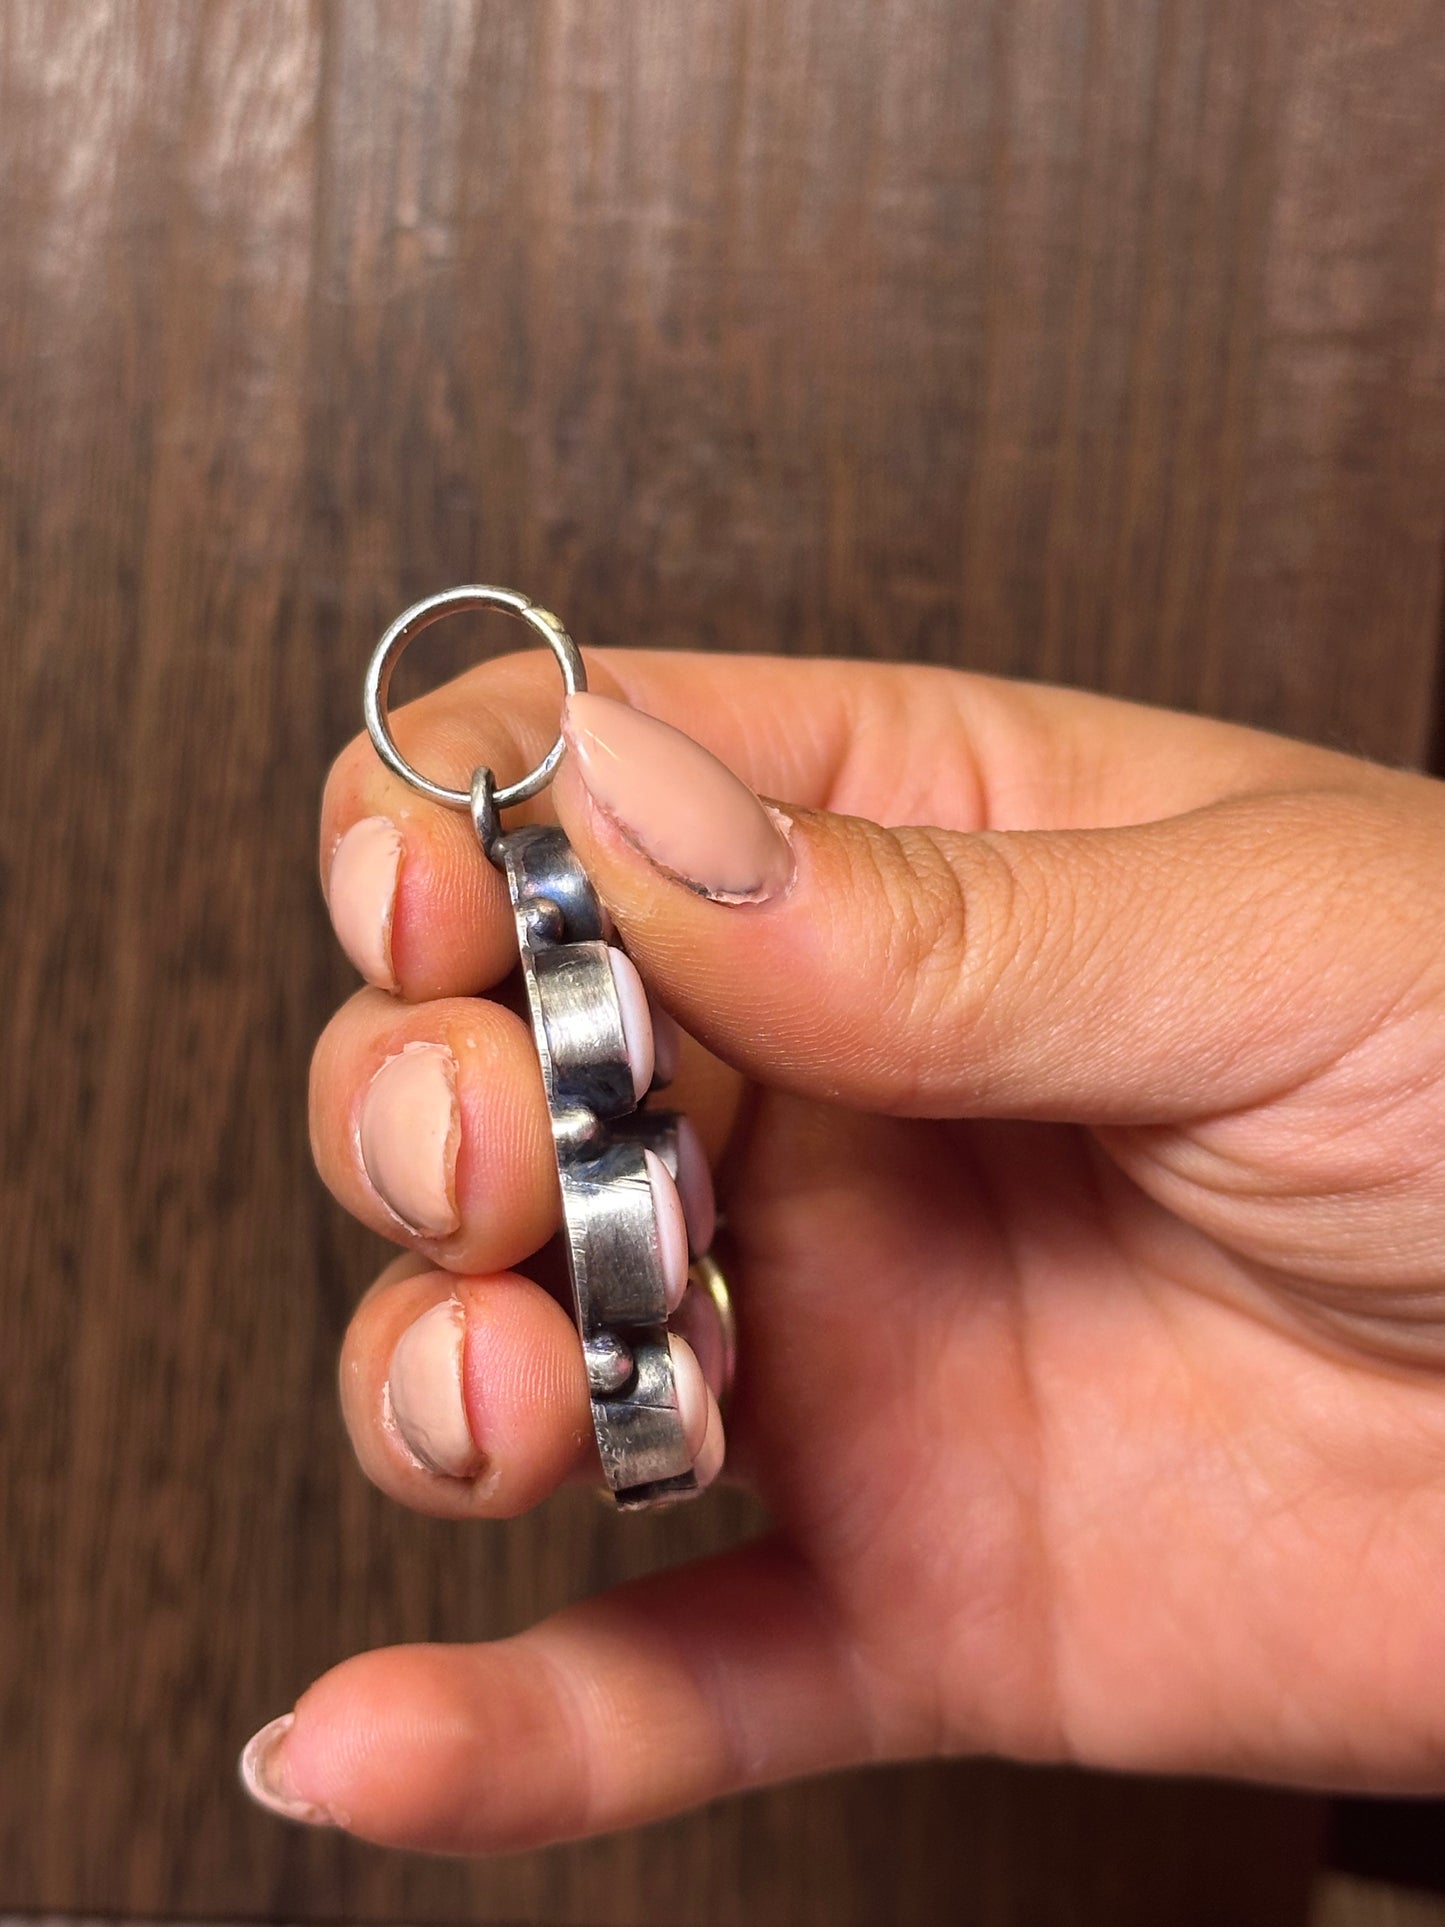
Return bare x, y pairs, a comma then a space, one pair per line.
1097, 339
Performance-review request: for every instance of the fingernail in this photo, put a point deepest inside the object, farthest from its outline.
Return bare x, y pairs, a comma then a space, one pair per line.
361, 895
410, 1130
424, 1393
265, 1774
677, 804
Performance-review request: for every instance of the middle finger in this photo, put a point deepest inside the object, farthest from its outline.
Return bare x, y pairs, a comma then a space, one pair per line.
429, 1124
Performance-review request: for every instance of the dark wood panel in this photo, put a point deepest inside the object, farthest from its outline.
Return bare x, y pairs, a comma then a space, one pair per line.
1345, 1902
1339, 1902
1100, 341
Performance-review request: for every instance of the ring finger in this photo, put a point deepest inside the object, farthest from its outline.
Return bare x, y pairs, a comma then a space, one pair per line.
466, 1397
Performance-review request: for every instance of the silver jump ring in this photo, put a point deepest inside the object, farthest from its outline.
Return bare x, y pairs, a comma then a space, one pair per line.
407, 628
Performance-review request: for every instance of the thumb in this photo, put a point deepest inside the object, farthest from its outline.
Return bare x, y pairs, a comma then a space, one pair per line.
1125, 975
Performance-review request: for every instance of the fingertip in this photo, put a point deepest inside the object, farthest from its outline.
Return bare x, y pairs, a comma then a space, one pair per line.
383, 1745
429, 1123
452, 932
415, 904
465, 1398
267, 1774
525, 1390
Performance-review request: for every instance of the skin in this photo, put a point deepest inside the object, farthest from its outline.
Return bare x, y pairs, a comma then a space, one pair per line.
1085, 1153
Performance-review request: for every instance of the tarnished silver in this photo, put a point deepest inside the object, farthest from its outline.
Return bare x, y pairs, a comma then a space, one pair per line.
599, 1133
407, 627
600, 1138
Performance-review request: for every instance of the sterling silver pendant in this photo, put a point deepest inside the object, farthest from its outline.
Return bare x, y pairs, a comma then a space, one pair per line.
635, 1251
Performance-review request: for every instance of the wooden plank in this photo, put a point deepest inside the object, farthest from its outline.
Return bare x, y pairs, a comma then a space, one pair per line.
1338, 1902
1092, 342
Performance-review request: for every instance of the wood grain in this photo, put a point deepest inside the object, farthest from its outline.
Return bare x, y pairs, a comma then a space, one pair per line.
1094, 341
1338, 1902
1342, 1902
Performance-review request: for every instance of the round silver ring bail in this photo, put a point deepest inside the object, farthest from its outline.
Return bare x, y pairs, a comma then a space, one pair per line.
407, 627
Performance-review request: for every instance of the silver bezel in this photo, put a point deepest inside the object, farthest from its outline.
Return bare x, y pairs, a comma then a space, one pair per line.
600, 1138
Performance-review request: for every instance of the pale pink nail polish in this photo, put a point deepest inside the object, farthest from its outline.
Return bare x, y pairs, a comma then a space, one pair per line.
409, 1133
265, 1776
424, 1393
636, 1019
678, 804
361, 895
671, 1229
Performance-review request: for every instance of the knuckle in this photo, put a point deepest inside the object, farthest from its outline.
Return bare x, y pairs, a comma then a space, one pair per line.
953, 915
961, 918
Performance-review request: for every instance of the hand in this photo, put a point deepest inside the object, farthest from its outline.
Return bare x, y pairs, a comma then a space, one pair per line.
1085, 1157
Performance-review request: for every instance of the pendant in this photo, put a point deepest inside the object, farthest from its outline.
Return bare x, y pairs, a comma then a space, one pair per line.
637, 1211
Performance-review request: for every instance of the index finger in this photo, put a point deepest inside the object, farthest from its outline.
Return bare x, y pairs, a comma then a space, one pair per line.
419, 912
